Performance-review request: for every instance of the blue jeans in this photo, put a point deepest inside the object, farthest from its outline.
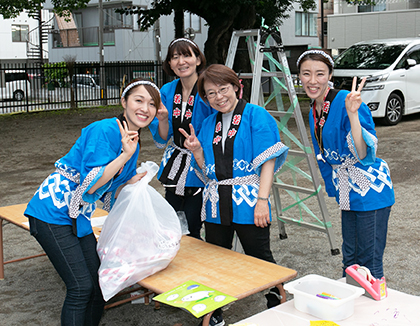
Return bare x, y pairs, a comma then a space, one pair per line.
76, 261
364, 239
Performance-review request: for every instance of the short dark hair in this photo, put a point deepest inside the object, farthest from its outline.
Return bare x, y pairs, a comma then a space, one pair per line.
185, 48
219, 75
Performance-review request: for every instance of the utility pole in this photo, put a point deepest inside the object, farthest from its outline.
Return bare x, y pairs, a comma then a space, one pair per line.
322, 24
102, 80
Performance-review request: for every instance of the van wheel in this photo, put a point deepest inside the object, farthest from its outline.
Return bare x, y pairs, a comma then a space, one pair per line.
393, 110
18, 96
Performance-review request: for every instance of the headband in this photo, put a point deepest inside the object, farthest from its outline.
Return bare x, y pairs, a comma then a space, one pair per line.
139, 82
185, 40
315, 52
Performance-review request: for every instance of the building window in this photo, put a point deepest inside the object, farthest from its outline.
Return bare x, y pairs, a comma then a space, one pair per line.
20, 33
371, 8
114, 19
193, 21
305, 24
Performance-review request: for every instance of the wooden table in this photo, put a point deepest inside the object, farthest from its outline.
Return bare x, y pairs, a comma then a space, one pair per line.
14, 215
227, 271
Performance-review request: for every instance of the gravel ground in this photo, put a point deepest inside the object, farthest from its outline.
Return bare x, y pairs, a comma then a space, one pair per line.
32, 293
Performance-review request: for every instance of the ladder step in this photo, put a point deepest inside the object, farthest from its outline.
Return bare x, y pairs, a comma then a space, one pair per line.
294, 188
263, 74
280, 114
296, 153
247, 32
303, 223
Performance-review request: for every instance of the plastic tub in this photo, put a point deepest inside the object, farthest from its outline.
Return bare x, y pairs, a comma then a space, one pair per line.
306, 289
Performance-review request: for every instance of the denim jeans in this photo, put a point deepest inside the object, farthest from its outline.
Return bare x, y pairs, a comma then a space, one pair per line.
364, 239
76, 261
191, 205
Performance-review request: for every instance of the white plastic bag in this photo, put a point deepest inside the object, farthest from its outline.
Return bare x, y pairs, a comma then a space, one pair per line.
140, 236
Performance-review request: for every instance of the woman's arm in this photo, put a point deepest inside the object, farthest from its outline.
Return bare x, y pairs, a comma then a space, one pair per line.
262, 211
129, 140
353, 102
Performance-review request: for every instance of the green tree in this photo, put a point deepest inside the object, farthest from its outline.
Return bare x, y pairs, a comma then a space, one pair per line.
56, 73
223, 16
12, 8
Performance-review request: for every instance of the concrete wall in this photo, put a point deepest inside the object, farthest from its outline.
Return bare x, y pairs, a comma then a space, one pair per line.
347, 29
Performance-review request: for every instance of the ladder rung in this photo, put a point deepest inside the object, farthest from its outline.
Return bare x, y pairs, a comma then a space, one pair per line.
247, 32
263, 74
306, 224
280, 114
293, 188
296, 153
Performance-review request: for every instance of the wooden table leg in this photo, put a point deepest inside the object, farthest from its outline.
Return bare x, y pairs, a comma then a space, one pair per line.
1, 251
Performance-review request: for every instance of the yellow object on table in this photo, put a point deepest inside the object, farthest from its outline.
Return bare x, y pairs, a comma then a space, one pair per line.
323, 323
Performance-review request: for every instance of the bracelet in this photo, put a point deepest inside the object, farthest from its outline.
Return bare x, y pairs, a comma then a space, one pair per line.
263, 198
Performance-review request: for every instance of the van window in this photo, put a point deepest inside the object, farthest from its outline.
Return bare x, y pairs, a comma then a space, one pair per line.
414, 53
11, 76
369, 56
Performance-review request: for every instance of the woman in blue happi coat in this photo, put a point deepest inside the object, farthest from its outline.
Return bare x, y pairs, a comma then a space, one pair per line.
345, 143
99, 164
182, 106
238, 150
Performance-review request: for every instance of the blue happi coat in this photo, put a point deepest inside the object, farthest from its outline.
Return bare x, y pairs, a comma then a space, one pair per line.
365, 183
256, 141
200, 112
66, 189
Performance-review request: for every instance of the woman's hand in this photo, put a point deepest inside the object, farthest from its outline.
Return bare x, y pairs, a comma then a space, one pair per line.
133, 180
261, 214
136, 178
193, 144
162, 113
354, 99
129, 139
353, 102
191, 141
162, 116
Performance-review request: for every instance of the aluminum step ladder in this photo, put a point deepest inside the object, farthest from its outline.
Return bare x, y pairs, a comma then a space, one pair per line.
264, 45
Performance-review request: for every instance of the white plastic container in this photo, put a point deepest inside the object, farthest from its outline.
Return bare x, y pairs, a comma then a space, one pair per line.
305, 292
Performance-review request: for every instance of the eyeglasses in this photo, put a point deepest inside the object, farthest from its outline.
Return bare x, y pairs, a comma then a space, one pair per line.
222, 91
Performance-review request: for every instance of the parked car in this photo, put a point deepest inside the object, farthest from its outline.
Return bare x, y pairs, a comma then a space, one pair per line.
88, 86
392, 68
14, 84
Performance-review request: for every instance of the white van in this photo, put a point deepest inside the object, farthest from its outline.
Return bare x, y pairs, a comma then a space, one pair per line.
14, 84
392, 68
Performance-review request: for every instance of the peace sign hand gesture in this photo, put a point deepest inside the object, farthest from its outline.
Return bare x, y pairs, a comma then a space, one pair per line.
354, 99
129, 139
193, 144
191, 141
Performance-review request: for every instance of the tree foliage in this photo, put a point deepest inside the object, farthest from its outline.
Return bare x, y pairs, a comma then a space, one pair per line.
12, 8
222, 16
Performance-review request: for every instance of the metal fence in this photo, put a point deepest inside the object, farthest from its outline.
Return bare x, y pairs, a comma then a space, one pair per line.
35, 87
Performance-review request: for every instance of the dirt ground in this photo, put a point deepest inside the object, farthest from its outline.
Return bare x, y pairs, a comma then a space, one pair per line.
32, 293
